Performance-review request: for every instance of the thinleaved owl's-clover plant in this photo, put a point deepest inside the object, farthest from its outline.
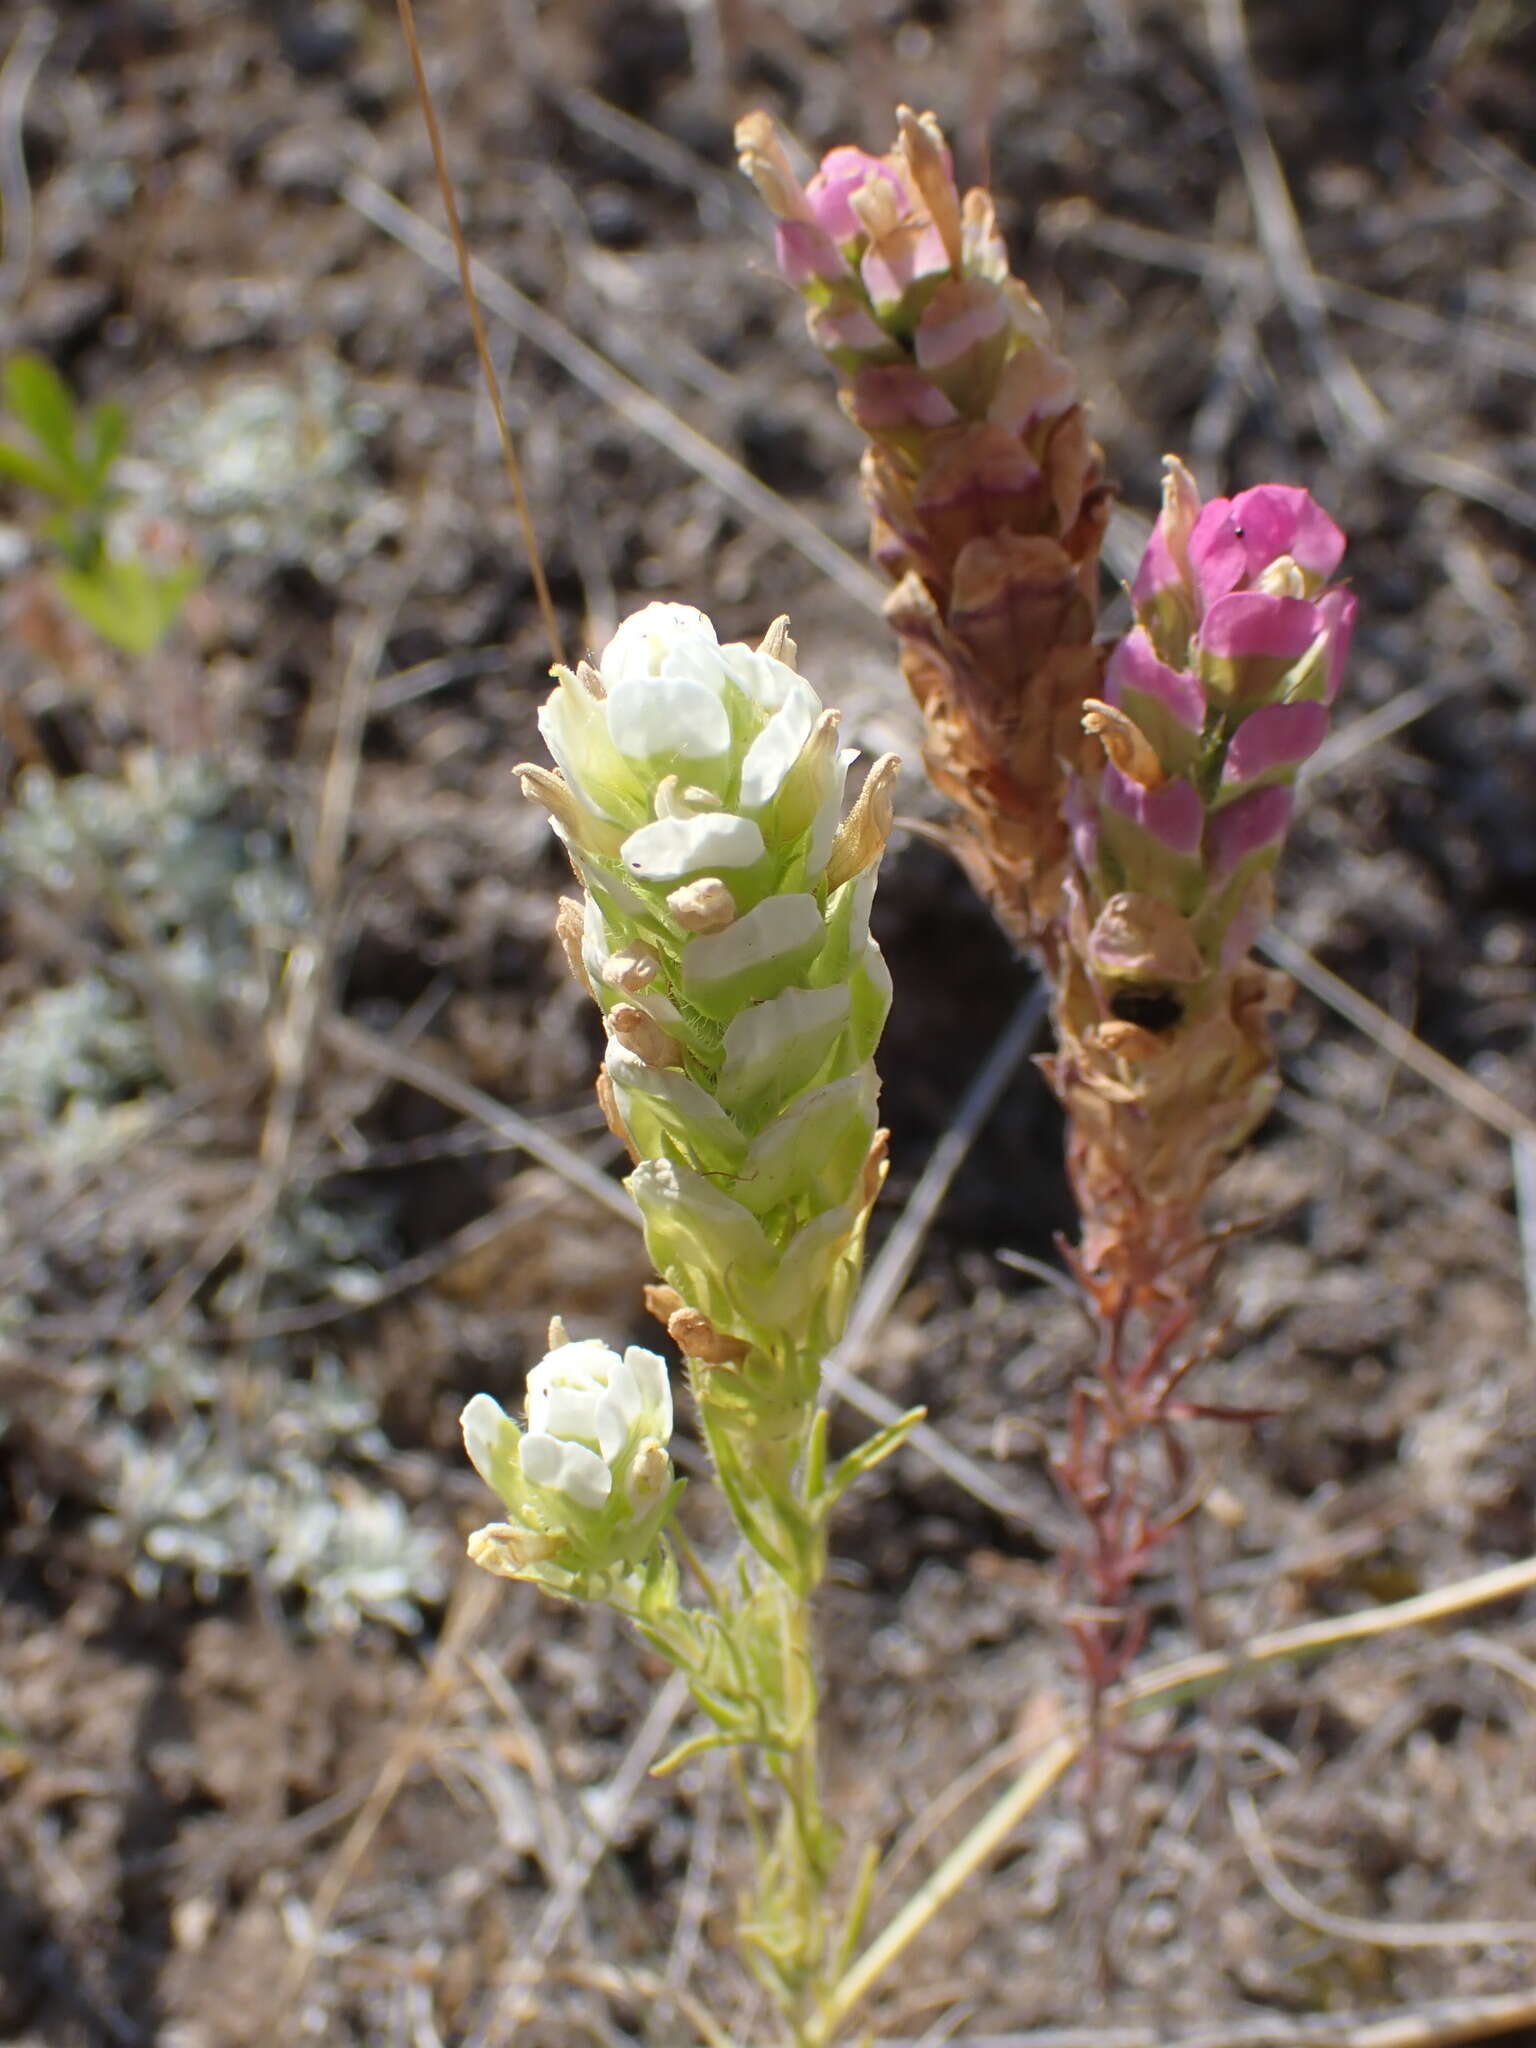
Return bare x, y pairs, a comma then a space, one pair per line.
723, 930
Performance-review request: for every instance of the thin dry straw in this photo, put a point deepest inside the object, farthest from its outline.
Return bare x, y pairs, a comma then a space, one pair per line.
482, 346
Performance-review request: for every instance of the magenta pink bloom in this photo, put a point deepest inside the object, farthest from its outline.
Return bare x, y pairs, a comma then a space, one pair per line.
1249, 623
1252, 824
1283, 519
1173, 814
954, 325
844, 172
1134, 666
1236, 539
1274, 736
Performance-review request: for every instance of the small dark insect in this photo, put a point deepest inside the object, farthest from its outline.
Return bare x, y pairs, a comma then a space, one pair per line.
1154, 1009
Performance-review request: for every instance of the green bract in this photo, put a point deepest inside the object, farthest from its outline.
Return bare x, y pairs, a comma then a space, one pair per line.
724, 930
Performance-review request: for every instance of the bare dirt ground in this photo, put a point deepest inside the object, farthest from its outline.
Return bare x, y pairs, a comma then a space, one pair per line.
226, 1820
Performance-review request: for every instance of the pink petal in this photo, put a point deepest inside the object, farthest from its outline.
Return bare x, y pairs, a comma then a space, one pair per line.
895, 395
843, 172
1216, 551
1283, 519
1250, 623
1337, 609
1274, 736
1249, 826
807, 254
1174, 814
847, 327
1157, 572
958, 320
909, 255
1134, 666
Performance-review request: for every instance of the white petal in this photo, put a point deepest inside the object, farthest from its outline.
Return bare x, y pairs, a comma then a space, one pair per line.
767, 681
654, 1387
488, 1431
777, 925
640, 646
617, 1413
666, 718
571, 1413
830, 815
778, 747
671, 848
586, 1364
571, 1469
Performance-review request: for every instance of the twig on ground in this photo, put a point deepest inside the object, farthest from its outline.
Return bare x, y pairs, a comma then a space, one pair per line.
23, 60
1411, 1934
1439, 2025
473, 1597
464, 267
1401, 1044
1189, 1678
1352, 404
635, 405
504, 2023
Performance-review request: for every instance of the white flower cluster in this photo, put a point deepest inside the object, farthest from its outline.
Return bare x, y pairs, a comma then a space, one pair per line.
592, 1466
725, 932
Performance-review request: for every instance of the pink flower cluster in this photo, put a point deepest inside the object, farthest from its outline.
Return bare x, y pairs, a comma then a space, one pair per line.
1214, 701
906, 283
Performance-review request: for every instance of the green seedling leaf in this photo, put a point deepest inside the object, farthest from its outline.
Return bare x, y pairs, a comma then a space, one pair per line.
35, 472
867, 1455
129, 604
40, 399
106, 431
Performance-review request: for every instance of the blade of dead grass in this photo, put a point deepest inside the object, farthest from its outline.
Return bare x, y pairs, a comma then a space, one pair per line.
471, 1603
1438, 2025
635, 405
1396, 1039
505, 2023
1189, 1678
1354, 405
1407, 1934
513, 467
890, 1271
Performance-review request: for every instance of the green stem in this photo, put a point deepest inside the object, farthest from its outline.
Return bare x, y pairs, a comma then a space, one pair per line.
1188, 1679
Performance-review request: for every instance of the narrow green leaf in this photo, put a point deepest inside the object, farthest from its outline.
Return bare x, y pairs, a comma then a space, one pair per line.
40, 399
107, 430
130, 605
865, 1456
20, 466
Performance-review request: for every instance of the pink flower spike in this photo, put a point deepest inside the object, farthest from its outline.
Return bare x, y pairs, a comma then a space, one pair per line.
1134, 666
1252, 825
1274, 736
807, 254
1250, 623
895, 395
1337, 610
1216, 551
1283, 519
843, 172
1172, 815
